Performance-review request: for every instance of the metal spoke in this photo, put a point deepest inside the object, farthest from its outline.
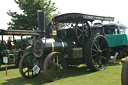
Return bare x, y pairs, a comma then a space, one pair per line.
104, 50
25, 71
96, 64
51, 73
50, 69
49, 65
52, 62
94, 50
101, 64
80, 36
55, 74
26, 60
96, 59
98, 43
103, 57
59, 71
80, 29
98, 46
28, 72
85, 30
57, 59
85, 34
94, 55
101, 43
95, 46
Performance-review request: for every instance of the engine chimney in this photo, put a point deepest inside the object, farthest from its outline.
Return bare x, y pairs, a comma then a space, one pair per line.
41, 22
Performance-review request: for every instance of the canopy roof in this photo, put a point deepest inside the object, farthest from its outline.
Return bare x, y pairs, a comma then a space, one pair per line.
118, 25
74, 17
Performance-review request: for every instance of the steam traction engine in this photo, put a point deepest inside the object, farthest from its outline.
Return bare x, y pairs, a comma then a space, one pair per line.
55, 49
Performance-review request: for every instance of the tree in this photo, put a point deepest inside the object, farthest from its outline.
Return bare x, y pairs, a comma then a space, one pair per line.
28, 19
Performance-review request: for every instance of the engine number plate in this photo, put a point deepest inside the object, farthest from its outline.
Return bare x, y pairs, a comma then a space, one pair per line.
36, 69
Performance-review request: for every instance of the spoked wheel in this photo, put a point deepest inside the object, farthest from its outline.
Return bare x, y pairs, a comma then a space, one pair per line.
123, 53
96, 53
124, 73
54, 66
28, 67
82, 31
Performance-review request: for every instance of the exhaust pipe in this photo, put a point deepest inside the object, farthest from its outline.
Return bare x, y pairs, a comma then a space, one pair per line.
41, 22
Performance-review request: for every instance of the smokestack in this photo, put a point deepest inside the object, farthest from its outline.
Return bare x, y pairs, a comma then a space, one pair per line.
41, 22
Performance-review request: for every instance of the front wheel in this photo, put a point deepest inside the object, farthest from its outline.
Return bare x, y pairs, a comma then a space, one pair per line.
96, 53
54, 66
28, 67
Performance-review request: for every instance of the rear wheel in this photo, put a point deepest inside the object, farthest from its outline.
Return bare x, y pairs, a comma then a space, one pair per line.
54, 66
28, 67
96, 53
124, 73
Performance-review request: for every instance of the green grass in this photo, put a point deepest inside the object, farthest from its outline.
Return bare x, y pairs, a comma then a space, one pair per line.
74, 76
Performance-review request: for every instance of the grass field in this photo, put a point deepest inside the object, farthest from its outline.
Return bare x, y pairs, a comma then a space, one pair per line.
74, 76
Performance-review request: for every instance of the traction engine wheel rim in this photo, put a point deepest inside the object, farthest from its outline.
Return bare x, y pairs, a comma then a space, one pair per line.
123, 53
54, 66
97, 53
124, 73
82, 32
26, 64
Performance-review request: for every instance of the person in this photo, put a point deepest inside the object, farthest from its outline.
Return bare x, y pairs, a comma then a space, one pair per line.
5, 44
9, 46
51, 30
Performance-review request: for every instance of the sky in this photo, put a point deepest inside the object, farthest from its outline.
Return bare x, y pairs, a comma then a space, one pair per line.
112, 8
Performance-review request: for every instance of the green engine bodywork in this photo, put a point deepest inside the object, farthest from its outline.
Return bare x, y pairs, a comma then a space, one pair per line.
66, 46
117, 40
74, 53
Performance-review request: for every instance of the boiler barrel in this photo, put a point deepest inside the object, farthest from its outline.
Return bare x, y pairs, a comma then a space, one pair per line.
57, 45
